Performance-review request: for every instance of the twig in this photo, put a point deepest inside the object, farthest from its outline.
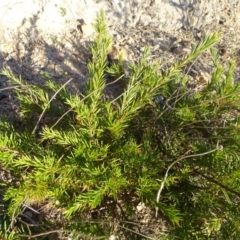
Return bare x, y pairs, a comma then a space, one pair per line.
9, 150
212, 180
44, 110
69, 110
26, 206
32, 222
7, 88
60, 231
115, 80
172, 164
140, 234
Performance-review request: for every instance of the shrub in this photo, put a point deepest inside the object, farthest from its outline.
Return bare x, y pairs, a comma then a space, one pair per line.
157, 138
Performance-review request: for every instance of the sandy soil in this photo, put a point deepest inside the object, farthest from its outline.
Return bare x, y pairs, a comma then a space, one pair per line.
39, 36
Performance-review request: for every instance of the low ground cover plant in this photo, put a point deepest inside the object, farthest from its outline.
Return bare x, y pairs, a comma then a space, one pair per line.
158, 142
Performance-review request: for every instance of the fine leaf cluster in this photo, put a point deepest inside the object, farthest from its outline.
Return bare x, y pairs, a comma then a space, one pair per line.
158, 142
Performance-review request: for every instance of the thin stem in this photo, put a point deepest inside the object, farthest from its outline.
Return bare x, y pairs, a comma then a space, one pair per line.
140, 234
44, 110
212, 180
61, 231
7, 88
172, 164
69, 110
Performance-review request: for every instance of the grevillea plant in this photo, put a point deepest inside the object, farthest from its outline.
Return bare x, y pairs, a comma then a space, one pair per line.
158, 142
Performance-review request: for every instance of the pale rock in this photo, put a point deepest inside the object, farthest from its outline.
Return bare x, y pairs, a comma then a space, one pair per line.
112, 237
140, 206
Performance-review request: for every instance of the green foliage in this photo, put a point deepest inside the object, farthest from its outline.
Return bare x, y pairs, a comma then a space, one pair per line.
85, 151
